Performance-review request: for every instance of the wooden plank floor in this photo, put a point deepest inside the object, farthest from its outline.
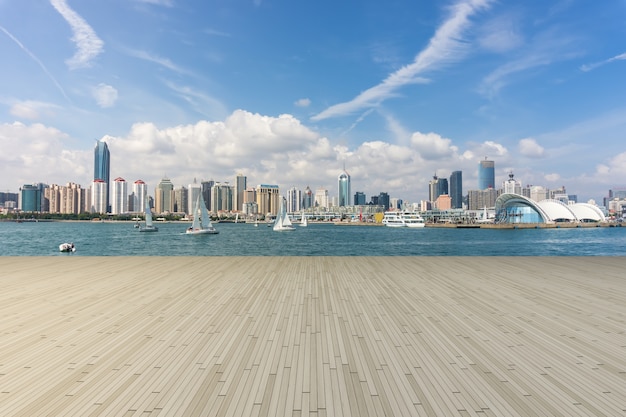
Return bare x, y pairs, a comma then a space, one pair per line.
312, 336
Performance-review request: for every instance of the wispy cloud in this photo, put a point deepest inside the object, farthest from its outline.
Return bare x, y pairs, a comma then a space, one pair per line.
445, 47
88, 44
41, 65
589, 67
164, 62
165, 3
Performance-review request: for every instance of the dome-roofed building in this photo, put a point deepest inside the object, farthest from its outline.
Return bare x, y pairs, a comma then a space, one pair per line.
515, 208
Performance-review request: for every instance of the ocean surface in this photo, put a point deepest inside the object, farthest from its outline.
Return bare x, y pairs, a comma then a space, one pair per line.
122, 239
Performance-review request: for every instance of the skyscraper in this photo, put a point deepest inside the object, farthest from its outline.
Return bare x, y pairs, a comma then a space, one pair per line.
294, 200
140, 191
240, 189
119, 203
344, 189
486, 174
99, 194
193, 192
456, 189
101, 170
164, 196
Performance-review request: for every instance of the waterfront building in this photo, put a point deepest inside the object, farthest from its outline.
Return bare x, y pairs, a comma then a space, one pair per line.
307, 198
99, 194
240, 190
515, 208
359, 198
249, 197
181, 200
456, 189
140, 190
538, 193
65, 199
101, 170
383, 200
8, 198
321, 198
294, 199
267, 199
206, 192
221, 197
164, 197
193, 192
486, 174
479, 199
32, 197
512, 186
443, 202
344, 189
119, 202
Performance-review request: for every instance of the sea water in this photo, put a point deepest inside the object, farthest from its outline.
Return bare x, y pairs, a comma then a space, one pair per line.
122, 239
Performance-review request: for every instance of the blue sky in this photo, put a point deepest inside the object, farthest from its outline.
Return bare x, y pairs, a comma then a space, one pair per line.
288, 92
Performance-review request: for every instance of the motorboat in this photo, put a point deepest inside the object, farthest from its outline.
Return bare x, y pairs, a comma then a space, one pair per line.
410, 219
67, 247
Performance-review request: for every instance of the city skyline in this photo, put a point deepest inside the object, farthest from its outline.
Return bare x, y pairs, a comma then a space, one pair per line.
287, 93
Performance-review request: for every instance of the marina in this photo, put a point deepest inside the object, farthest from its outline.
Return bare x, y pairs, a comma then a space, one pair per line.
325, 336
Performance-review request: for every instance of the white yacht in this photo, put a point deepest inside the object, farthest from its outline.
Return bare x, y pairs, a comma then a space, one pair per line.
403, 219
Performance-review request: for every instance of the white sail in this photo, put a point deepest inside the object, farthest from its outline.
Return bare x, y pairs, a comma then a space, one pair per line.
282, 220
149, 227
201, 224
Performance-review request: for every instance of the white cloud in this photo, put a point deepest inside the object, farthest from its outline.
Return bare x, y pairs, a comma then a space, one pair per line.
105, 95
164, 62
303, 102
445, 47
432, 146
589, 67
164, 3
500, 35
88, 44
529, 147
552, 177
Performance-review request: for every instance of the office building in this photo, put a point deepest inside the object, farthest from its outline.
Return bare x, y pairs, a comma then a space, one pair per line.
222, 197
436, 187
344, 189
206, 192
267, 199
181, 200
193, 192
101, 170
512, 186
359, 198
164, 197
119, 200
383, 200
486, 174
240, 190
321, 198
456, 189
479, 199
294, 200
307, 198
99, 194
140, 192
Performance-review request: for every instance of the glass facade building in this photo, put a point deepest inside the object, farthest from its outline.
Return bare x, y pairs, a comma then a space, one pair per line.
456, 189
344, 189
102, 167
486, 174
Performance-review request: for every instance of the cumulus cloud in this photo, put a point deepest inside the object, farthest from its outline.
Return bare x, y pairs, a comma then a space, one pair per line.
32, 110
552, 177
105, 95
88, 44
529, 147
432, 145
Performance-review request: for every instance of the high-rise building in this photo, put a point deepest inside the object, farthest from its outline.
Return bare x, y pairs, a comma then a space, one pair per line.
383, 200
32, 197
193, 192
321, 198
164, 197
512, 186
66, 199
479, 199
267, 199
222, 195
307, 198
99, 194
140, 192
486, 174
119, 202
101, 169
206, 192
359, 198
181, 200
240, 190
344, 189
456, 189
294, 200
436, 187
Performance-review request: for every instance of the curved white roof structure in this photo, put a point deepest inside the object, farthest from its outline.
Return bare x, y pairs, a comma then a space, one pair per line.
515, 208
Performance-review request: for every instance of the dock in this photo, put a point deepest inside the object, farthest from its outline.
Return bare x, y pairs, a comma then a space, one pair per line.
312, 336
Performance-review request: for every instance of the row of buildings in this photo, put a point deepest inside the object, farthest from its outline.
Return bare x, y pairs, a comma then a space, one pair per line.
119, 196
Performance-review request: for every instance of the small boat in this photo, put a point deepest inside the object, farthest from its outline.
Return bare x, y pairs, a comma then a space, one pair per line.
282, 223
67, 247
303, 221
148, 227
201, 224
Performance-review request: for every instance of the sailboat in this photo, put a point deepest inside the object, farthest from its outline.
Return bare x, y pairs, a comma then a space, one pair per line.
282, 223
201, 221
303, 222
148, 227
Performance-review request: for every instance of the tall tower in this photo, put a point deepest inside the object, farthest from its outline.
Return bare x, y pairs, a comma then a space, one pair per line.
344, 189
101, 170
140, 191
486, 174
240, 190
456, 189
120, 196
